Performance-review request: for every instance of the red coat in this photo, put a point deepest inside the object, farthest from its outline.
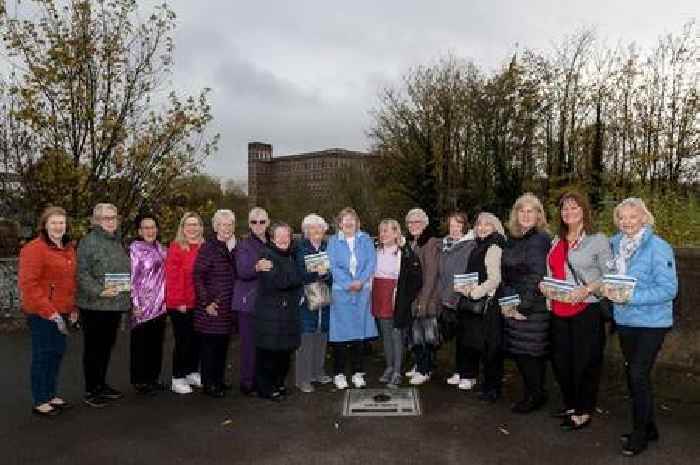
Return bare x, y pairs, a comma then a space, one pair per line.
47, 278
179, 283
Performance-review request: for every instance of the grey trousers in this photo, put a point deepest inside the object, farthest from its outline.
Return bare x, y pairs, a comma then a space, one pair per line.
310, 358
392, 339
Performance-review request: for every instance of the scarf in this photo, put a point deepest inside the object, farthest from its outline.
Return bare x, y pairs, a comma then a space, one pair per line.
628, 246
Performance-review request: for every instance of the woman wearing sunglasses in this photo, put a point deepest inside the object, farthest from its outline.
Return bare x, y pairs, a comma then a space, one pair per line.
248, 264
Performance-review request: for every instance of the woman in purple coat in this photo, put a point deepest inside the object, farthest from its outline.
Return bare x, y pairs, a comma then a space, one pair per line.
246, 289
214, 274
148, 312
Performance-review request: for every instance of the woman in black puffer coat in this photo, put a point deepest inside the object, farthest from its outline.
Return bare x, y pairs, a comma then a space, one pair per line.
277, 322
526, 332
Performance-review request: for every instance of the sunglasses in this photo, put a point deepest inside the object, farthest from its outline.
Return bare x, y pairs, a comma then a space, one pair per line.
258, 221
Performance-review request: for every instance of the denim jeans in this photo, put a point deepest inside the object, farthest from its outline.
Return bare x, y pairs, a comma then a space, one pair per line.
48, 347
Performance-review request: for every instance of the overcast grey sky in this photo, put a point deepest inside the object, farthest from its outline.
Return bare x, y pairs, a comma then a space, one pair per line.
303, 75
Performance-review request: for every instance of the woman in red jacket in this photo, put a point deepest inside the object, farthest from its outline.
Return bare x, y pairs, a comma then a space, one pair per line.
180, 300
47, 286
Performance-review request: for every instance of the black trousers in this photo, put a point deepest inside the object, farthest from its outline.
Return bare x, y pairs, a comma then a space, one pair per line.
147, 350
640, 346
533, 371
271, 369
491, 358
356, 352
214, 349
99, 335
424, 354
187, 343
577, 357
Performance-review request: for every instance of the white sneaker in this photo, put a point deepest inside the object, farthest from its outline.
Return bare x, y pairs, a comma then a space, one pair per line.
467, 384
419, 379
412, 372
454, 380
358, 380
194, 379
340, 382
181, 386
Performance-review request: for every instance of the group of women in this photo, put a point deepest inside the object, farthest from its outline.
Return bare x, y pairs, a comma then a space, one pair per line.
273, 292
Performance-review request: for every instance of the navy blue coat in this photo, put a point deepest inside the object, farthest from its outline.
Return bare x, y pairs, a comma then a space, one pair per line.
310, 320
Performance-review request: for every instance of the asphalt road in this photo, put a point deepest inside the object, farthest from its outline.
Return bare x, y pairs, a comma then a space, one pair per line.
455, 427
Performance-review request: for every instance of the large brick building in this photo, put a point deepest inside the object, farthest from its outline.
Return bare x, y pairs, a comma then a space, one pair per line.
272, 179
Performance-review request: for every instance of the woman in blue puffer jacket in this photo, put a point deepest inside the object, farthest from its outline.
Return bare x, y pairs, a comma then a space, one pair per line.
645, 318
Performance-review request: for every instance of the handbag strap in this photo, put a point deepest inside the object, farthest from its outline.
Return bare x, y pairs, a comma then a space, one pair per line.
574, 273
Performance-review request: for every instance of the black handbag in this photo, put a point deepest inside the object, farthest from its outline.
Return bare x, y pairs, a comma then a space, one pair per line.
476, 307
448, 321
606, 309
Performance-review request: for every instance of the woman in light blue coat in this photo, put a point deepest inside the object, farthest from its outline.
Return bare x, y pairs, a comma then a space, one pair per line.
353, 259
644, 319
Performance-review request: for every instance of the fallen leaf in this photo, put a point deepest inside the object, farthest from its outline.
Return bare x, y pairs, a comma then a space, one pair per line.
226, 422
503, 430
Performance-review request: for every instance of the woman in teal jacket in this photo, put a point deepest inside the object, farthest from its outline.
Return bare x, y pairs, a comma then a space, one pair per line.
645, 318
353, 260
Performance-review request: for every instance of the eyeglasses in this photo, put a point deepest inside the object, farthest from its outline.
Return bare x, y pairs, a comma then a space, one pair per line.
258, 221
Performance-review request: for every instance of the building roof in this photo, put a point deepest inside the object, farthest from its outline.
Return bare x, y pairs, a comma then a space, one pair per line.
327, 153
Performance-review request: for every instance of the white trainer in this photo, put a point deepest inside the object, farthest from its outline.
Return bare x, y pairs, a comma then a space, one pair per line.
181, 386
340, 382
412, 372
419, 379
454, 380
358, 380
194, 379
467, 384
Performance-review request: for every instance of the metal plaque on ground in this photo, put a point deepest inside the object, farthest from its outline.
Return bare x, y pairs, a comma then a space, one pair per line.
381, 402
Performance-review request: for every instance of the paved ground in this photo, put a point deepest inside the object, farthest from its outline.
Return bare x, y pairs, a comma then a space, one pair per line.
307, 429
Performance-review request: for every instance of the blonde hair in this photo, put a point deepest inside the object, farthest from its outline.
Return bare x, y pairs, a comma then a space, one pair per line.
98, 211
530, 199
348, 211
393, 224
180, 235
635, 202
486, 217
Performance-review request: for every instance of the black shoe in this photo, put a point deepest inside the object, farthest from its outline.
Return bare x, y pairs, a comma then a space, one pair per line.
157, 386
636, 443
528, 405
652, 436
214, 391
274, 397
248, 391
144, 389
563, 413
283, 390
94, 400
570, 425
109, 393
489, 396
46, 413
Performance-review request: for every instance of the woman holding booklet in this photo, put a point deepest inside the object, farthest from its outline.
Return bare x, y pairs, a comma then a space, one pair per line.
312, 261
577, 257
643, 310
526, 322
482, 322
103, 269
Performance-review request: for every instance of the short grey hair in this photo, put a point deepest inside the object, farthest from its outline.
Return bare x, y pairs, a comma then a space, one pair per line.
420, 213
311, 220
486, 217
257, 212
98, 212
222, 215
635, 202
